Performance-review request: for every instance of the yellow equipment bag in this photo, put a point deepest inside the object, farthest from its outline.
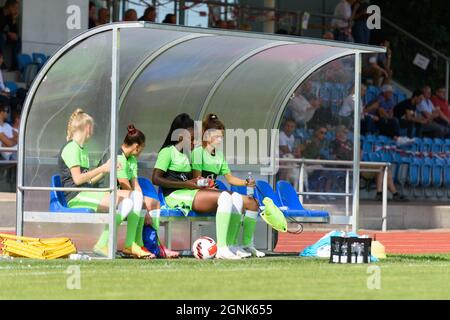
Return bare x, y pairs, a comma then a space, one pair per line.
36, 248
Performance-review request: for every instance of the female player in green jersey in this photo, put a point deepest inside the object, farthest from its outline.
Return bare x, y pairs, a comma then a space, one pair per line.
127, 179
173, 173
75, 172
208, 161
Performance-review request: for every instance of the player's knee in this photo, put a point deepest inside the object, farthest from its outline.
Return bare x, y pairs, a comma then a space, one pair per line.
225, 201
238, 202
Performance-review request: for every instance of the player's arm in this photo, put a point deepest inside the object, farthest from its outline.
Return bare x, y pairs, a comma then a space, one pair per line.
82, 178
7, 142
235, 181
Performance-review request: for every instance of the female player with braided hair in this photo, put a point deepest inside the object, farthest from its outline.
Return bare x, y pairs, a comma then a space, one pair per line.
127, 179
208, 161
173, 173
75, 171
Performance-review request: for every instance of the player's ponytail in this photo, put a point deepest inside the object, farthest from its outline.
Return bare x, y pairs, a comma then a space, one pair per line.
78, 121
134, 136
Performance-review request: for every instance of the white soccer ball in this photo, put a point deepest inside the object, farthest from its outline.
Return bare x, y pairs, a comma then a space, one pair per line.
204, 248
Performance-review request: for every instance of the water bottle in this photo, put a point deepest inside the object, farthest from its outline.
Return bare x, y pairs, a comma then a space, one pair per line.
76, 256
250, 190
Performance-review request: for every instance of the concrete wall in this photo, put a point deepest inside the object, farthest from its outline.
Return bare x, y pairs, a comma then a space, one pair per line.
47, 25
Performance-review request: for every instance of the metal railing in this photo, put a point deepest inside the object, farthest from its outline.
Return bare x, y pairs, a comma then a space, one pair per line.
303, 163
8, 149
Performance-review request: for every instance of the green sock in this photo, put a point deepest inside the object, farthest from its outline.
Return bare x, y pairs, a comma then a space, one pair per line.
222, 227
233, 229
132, 224
103, 240
140, 229
250, 221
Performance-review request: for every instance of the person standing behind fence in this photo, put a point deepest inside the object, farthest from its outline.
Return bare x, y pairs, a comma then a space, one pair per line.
173, 173
208, 161
73, 162
360, 31
342, 21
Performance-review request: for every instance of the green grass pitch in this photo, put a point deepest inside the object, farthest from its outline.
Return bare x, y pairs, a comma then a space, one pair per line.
401, 277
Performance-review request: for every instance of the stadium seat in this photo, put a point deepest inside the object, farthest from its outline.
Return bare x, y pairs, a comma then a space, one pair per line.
426, 177
39, 58
438, 145
289, 199
438, 175
221, 186
23, 61
446, 146
12, 86
239, 189
425, 145
414, 172
58, 201
148, 189
372, 93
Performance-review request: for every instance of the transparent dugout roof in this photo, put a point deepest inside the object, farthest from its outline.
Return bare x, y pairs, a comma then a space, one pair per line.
245, 78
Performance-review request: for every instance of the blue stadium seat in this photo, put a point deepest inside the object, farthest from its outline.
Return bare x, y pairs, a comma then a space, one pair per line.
12, 86
221, 186
425, 145
372, 93
446, 146
58, 201
438, 145
148, 189
414, 172
289, 199
426, 177
325, 94
23, 61
239, 189
447, 173
39, 58
438, 172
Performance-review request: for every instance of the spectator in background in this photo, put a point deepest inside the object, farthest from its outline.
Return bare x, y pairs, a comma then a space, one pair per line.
149, 14
341, 22
405, 112
434, 116
440, 102
373, 70
328, 35
303, 104
384, 60
170, 18
314, 150
103, 16
10, 31
130, 15
288, 149
388, 124
8, 136
92, 15
14, 102
360, 31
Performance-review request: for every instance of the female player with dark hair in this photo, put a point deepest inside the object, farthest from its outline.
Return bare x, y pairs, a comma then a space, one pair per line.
127, 179
173, 173
207, 160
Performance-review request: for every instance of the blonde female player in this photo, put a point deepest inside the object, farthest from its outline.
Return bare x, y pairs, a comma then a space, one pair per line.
75, 172
127, 179
207, 161
173, 173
